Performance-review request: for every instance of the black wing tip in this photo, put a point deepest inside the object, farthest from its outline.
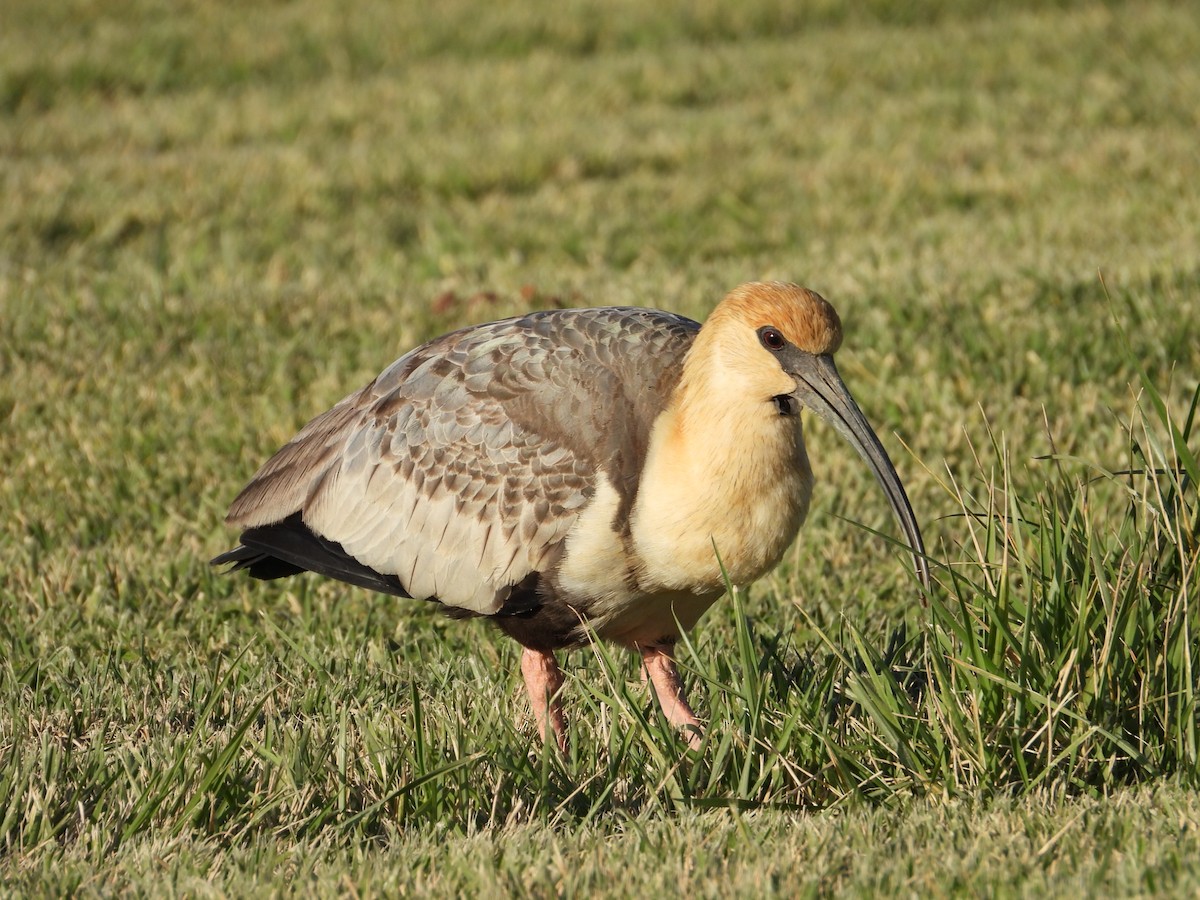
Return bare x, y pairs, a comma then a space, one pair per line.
256, 564
289, 547
241, 556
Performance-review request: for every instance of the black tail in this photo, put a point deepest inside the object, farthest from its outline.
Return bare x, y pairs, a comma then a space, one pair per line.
289, 547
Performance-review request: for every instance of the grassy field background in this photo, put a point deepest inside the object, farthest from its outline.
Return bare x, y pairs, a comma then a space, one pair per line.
216, 222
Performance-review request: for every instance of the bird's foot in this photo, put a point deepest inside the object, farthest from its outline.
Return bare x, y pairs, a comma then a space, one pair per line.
544, 681
659, 663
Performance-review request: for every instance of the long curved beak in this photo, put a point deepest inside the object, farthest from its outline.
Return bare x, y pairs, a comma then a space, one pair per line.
821, 389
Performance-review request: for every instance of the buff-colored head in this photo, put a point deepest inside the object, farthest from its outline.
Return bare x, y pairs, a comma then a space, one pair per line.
803, 317
734, 351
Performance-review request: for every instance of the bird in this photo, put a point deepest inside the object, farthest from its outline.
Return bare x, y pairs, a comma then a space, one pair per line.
572, 475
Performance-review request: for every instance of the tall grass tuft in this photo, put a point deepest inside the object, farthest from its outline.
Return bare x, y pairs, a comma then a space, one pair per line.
1061, 648
1058, 647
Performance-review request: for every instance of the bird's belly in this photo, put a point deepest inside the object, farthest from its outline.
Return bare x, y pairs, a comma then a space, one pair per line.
646, 621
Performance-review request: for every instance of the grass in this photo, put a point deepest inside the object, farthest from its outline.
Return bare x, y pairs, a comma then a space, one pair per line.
216, 223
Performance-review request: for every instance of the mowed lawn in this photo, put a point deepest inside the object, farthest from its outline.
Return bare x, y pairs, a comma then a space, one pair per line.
215, 222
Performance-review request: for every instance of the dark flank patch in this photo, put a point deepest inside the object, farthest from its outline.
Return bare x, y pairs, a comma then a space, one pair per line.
547, 627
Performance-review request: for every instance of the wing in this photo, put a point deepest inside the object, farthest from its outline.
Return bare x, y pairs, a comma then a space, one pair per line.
457, 474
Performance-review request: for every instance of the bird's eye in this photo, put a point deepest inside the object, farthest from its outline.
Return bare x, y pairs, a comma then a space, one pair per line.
771, 338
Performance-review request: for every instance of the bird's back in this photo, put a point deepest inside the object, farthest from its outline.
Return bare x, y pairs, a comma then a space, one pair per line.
457, 474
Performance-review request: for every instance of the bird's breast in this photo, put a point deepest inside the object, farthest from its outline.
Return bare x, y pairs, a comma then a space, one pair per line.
734, 501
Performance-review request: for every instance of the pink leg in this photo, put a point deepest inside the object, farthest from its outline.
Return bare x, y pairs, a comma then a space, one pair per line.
543, 681
668, 687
